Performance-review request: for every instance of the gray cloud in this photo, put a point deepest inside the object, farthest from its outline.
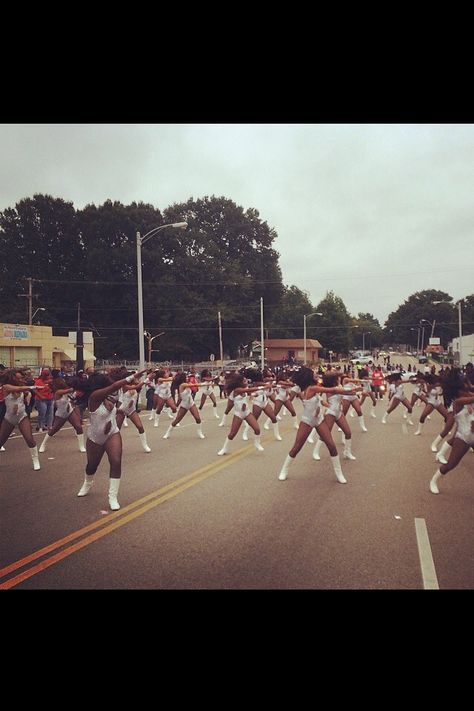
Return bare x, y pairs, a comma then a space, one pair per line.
372, 212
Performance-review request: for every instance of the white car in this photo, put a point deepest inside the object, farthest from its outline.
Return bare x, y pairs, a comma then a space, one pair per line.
362, 360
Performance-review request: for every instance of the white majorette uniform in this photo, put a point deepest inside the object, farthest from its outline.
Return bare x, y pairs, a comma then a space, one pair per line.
335, 406
15, 408
434, 397
208, 389
127, 400
281, 393
465, 422
418, 389
260, 398
186, 399
103, 424
312, 411
398, 392
241, 406
350, 394
367, 386
63, 407
163, 390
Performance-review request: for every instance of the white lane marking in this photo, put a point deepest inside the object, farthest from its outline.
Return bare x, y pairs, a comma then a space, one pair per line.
430, 580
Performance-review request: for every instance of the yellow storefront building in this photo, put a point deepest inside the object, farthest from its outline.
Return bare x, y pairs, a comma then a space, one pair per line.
36, 346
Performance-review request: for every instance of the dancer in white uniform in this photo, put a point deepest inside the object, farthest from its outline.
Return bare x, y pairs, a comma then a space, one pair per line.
432, 400
313, 417
463, 405
104, 435
186, 404
208, 391
66, 411
237, 384
14, 386
162, 394
398, 396
335, 412
127, 408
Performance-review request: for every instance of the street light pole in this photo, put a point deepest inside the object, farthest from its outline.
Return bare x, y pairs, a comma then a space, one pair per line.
305, 316
363, 338
140, 241
150, 340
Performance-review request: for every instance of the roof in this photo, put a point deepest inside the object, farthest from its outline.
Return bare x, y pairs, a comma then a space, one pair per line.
292, 343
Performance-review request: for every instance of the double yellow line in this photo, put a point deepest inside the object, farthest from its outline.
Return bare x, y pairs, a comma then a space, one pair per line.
87, 535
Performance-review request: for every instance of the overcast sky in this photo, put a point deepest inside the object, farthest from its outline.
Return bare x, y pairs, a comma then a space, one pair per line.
372, 212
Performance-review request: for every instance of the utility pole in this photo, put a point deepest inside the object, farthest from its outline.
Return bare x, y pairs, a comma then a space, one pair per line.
29, 296
79, 342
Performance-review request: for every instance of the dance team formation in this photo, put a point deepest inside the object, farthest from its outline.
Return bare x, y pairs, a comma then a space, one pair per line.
326, 399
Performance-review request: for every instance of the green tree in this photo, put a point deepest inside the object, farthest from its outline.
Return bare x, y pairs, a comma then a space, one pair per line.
38, 239
287, 320
333, 329
406, 323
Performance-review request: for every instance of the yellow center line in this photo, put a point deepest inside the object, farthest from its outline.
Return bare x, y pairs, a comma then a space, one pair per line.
116, 520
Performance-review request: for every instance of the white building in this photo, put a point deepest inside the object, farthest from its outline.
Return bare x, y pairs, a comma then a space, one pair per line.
467, 344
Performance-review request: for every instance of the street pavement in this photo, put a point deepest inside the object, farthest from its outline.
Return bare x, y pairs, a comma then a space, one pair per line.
193, 520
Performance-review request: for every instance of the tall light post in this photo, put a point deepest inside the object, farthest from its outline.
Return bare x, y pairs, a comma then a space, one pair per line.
140, 241
364, 333
150, 340
314, 313
41, 308
417, 329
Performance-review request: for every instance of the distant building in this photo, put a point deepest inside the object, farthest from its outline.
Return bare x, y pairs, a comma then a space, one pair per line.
467, 349
278, 350
35, 346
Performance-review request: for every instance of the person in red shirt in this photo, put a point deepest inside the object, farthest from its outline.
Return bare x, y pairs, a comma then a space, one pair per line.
192, 378
44, 397
377, 381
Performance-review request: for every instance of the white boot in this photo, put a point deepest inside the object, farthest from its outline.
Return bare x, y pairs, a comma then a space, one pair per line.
222, 422
145, 446
114, 485
284, 470
199, 430
351, 412
362, 423
335, 461
410, 421
156, 420
443, 453
384, 419
35, 458
295, 422
405, 415
152, 414
2, 449
419, 428
316, 449
434, 444
86, 487
347, 453
168, 432
311, 437
256, 441
245, 434
372, 413
80, 442
42, 447
125, 423
276, 431
434, 482
225, 448
216, 414
266, 426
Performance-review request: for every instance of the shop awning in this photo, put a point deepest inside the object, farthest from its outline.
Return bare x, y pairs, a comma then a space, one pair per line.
70, 354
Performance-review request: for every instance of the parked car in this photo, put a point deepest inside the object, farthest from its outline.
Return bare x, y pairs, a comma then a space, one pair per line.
422, 359
362, 360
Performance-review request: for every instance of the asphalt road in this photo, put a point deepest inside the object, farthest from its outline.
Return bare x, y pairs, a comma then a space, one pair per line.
193, 520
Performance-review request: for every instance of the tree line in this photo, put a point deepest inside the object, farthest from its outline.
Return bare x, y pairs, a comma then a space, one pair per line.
224, 262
